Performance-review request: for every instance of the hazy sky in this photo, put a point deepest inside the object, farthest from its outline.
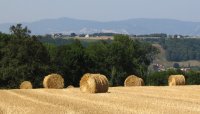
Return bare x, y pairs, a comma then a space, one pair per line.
100, 10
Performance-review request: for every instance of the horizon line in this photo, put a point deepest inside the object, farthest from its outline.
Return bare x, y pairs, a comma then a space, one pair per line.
98, 20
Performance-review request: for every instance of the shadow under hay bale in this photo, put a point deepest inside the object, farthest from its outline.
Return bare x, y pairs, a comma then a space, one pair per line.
94, 83
175, 80
26, 85
53, 81
133, 81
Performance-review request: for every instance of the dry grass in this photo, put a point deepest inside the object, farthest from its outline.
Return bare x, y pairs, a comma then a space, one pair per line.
119, 100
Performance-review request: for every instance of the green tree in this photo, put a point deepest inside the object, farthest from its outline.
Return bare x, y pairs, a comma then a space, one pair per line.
70, 62
176, 65
22, 58
97, 57
129, 57
193, 78
161, 78
19, 31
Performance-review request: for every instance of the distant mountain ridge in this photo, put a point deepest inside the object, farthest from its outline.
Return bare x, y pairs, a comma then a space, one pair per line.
131, 26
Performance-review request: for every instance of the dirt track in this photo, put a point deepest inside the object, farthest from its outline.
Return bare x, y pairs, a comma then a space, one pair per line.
142, 100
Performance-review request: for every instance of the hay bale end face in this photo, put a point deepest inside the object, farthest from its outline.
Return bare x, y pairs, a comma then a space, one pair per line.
175, 80
26, 85
53, 81
133, 81
94, 83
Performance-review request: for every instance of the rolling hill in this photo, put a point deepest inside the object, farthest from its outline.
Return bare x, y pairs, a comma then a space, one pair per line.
131, 26
161, 59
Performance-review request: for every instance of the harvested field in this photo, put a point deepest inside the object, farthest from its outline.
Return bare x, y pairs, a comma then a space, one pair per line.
134, 100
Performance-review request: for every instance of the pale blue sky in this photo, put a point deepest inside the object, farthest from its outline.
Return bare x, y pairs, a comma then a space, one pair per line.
100, 10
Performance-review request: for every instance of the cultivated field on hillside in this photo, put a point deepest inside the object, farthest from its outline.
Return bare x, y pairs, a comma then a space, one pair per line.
161, 59
138, 100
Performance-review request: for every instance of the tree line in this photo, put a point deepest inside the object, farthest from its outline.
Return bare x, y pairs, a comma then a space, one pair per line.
24, 57
179, 49
161, 78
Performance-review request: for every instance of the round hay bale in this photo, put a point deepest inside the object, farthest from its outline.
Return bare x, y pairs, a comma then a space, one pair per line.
133, 81
175, 80
53, 81
26, 85
94, 83
70, 86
